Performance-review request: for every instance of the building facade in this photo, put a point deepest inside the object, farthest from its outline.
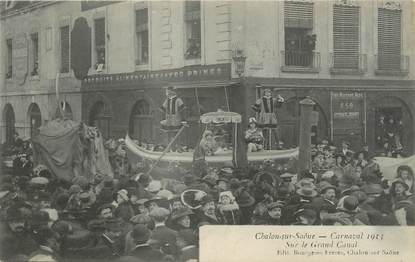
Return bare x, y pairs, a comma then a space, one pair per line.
352, 58
32, 55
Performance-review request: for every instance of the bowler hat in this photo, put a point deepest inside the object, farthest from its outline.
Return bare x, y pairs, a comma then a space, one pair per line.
307, 191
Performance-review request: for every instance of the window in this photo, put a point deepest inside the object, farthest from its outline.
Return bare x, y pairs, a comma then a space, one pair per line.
99, 25
389, 39
141, 122
35, 54
141, 17
9, 64
299, 39
193, 29
346, 22
64, 33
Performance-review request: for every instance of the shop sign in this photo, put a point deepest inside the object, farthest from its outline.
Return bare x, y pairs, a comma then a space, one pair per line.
191, 73
347, 110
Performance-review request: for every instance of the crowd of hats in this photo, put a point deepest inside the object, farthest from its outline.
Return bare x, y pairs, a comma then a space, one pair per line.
110, 217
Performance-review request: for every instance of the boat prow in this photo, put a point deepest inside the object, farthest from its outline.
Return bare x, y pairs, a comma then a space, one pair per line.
224, 156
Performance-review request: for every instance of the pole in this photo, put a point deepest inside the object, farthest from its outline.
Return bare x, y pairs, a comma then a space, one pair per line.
304, 158
167, 148
227, 99
269, 139
57, 96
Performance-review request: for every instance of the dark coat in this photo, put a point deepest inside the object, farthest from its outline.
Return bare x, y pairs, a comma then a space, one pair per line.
124, 211
191, 252
166, 238
204, 218
146, 253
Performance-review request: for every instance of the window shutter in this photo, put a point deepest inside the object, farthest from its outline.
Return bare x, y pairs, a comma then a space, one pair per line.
389, 39
192, 10
100, 32
298, 14
346, 22
141, 20
65, 49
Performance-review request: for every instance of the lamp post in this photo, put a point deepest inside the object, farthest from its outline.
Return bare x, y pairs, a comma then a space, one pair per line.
239, 59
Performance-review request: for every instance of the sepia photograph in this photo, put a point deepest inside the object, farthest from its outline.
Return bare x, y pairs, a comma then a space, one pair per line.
207, 130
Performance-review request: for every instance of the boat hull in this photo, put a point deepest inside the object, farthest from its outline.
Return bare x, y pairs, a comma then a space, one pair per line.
225, 156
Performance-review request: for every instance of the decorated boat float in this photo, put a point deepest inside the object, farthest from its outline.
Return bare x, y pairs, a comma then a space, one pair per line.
225, 155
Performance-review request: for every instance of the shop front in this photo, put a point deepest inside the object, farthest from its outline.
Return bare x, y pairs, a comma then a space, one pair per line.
131, 102
348, 110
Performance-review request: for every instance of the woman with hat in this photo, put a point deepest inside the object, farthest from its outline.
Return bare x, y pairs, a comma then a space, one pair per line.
406, 173
208, 145
253, 136
208, 211
180, 219
228, 208
123, 206
403, 203
399, 191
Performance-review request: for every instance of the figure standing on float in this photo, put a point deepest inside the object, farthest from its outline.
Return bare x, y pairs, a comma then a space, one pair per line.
172, 107
266, 107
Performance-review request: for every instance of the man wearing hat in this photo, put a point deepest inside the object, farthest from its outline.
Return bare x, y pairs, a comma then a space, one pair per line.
345, 147
267, 106
15, 225
378, 214
163, 238
286, 187
157, 201
272, 216
326, 203
48, 246
301, 200
142, 250
305, 217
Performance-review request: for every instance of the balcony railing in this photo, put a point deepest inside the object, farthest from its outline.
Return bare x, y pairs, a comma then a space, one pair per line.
300, 61
348, 64
392, 64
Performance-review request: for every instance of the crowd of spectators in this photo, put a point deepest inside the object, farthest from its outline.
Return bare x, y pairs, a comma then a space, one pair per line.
138, 217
